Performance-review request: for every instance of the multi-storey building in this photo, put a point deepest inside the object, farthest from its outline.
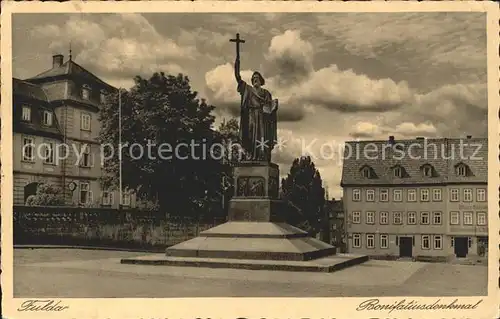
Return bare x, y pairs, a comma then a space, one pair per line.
56, 126
417, 198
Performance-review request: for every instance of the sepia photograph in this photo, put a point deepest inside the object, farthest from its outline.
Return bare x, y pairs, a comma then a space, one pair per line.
250, 154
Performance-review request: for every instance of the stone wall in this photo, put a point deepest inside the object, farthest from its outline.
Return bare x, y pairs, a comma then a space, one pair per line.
131, 229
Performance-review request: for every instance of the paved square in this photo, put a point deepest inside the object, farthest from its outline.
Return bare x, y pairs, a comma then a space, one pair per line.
75, 273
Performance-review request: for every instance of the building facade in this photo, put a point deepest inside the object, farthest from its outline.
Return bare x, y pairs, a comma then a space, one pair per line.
56, 127
338, 235
417, 198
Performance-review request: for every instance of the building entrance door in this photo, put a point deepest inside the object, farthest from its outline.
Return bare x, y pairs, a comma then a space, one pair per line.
461, 246
405, 247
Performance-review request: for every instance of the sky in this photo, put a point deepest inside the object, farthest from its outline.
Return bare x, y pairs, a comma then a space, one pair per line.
338, 76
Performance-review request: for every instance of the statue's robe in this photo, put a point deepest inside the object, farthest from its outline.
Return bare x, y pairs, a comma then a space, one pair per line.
257, 133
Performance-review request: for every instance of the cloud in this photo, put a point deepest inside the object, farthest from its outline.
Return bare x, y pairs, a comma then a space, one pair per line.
291, 57
450, 111
346, 91
433, 38
117, 45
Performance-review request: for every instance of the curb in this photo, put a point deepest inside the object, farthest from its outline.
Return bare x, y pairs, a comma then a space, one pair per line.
138, 250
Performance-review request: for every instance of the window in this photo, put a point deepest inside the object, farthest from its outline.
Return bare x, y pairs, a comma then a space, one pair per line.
438, 242
454, 218
370, 217
427, 171
397, 195
384, 195
467, 218
370, 241
86, 92
424, 195
454, 195
356, 195
424, 218
103, 97
384, 218
126, 199
481, 194
366, 172
86, 160
398, 172
426, 242
47, 118
356, 217
436, 218
356, 240
412, 218
107, 198
481, 218
28, 150
384, 241
461, 170
26, 115
85, 122
370, 195
412, 195
436, 195
467, 195
49, 153
85, 193
397, 218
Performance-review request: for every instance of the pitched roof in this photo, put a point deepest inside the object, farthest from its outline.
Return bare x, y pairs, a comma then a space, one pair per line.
34, 95
442, 154
28, 90
69, 67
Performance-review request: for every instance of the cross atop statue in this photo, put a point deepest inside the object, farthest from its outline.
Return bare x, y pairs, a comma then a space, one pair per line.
237, 40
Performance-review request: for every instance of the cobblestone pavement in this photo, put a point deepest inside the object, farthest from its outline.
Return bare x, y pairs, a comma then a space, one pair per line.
98, 274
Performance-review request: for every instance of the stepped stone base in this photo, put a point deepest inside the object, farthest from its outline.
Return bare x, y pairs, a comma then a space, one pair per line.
253, 240
325, 264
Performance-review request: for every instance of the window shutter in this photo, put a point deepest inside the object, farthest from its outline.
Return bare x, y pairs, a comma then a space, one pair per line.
90, 198
111, 198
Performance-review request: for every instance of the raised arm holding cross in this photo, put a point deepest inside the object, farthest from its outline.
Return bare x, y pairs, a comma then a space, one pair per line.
237, 40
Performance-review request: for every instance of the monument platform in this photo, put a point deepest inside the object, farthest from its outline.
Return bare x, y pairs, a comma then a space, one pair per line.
256, 235
325, 264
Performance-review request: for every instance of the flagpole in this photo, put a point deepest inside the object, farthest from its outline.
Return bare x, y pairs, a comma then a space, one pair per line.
120, 142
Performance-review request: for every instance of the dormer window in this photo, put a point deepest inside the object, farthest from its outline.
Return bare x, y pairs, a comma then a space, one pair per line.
367, 172
85, 92
427, 170
462, 170
398, 171
26, 115
47, 118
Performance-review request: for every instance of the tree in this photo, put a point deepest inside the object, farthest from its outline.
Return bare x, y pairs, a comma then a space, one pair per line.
166, 138
46, 195
228, 134
303, 191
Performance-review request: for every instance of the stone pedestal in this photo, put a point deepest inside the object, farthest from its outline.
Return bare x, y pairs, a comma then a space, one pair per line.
256, 227
256, 235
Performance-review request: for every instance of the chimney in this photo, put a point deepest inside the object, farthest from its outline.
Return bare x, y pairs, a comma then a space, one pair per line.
57, 60
391, 139
469, 137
